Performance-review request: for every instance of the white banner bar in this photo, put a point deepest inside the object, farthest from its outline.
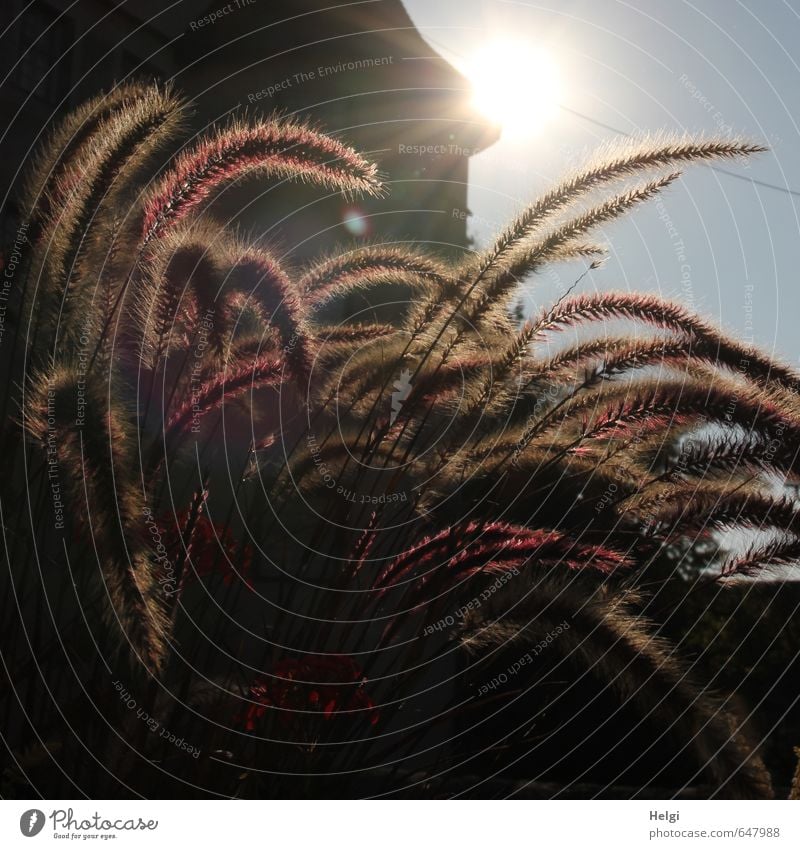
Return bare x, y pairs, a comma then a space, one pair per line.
402, 824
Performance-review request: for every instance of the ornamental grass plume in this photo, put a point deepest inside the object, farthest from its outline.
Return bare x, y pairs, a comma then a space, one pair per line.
83, 194
52, 167
371, 266
89, 450
423, 497
287, 150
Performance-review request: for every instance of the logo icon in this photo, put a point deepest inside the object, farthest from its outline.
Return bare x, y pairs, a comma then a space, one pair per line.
402, 387
31, 822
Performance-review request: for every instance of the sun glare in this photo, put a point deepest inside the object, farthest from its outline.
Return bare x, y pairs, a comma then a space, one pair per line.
515, 84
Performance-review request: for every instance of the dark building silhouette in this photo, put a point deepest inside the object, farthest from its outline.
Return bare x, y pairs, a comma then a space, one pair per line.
360, 71
57, 54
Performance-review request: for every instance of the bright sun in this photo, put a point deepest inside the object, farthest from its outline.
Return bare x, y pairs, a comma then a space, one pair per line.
516, 85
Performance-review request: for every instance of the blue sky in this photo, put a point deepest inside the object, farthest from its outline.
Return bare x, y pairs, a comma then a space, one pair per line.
727, 248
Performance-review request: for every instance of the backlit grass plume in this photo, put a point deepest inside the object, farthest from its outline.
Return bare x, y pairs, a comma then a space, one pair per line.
284, 150
424, 499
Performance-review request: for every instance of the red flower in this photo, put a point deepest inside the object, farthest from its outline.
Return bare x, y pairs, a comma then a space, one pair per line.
325, 686
212, 550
